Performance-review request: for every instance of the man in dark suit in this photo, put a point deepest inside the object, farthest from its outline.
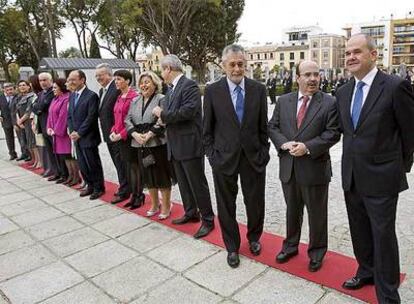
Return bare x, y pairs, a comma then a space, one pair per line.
108, 95
287, 83
236, 143
271, 89
6, 102
303, 128
84, 130
376, 114
41, 108
184, 142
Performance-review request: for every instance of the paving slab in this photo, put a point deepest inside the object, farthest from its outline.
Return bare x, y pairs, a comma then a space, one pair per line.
77, 205
182, 253
84, 293
278, 287
54, 227
37, 216
97, 214
121, 224
24, 260
131, 279
335, 297
40, 284
14, 240
75, 241
62, 196
22, 207
148, 237
178, 290
7, 226
217, 276
14, 198
100, 258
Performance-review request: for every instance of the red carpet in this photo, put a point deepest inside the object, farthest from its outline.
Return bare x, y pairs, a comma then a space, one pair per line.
336, 267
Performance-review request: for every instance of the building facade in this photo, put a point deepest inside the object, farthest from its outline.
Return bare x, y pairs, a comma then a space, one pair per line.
328, 51
402, 43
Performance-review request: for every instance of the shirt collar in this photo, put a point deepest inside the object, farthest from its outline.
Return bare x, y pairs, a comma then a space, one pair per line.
369, 78
300, 95
176, 79
107, 86
80, 91
233, 86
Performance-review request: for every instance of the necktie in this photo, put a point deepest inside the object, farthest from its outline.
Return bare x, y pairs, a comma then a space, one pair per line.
239, 103
170, 93
357, 106
76, 98
302, 111
104, 90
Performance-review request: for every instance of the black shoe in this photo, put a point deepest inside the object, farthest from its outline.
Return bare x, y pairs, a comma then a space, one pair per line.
137, 202
13, 157
357, 283
86, 192
61, 180
186, 219
53, 178
283, 257
118, 198
28, 159
22, 157
96, 194
233, 259
203, 231
255, 247
314, 265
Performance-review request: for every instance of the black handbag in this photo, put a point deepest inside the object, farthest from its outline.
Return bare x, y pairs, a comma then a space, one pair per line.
148, 160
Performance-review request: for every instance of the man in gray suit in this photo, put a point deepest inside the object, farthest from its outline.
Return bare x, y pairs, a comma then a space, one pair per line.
303, 128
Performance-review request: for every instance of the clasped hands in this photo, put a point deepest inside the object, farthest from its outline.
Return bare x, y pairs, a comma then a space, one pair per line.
295, 148
115, 137
74, 136
142, 138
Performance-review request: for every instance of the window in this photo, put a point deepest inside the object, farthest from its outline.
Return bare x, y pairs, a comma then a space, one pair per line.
282, 56
251, 56
292, 56
325, 43
293, 36
315, 44
314, 54
265, 56
258, 56
271, 55
325, 55
302, 55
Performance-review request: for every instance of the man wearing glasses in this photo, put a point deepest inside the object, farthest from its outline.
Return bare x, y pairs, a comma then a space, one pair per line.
303, 128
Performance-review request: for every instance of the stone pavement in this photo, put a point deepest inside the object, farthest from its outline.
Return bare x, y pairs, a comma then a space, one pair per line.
58, 248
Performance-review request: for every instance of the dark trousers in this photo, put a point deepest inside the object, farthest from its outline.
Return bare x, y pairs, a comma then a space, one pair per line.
193, 186
272, 97
253, 189
62, 168
372, 226
9, 134
52, 163
91, 167
21, 136
315, 198
120, 166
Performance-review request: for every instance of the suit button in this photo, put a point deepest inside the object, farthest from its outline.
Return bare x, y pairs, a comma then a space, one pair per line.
353, 135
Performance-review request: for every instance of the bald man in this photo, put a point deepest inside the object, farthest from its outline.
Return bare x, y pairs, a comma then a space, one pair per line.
303, 128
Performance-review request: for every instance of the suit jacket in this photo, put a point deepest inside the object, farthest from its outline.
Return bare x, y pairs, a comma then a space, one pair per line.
106, 110
83, 118
6, 111
319, 132
41, 108
223, 135
379, 151
182, 117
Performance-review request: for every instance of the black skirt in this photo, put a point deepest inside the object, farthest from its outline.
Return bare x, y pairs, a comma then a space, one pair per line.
160, 174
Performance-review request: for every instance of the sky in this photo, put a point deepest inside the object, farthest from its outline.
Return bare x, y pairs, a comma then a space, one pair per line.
264, 20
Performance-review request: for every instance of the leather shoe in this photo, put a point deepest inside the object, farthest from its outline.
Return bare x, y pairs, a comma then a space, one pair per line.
53, 178
86, 192
61, 180
283, 257
357, 283
13, 157
186, 219
233, 259
96, 194
255, 247
137, 202
22, 157
203, 231
118, 198
314, 265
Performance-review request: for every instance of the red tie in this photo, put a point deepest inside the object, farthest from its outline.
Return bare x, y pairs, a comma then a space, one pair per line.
302, 110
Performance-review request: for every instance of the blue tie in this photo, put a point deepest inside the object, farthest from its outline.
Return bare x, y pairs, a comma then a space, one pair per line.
239, 103
357, 106
76, 98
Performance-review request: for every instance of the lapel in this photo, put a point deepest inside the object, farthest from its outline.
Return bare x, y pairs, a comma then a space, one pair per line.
172, 95
348, 93
293, 106
80, 97
228, 103
374, 92
107, 94
313, 108
249, 103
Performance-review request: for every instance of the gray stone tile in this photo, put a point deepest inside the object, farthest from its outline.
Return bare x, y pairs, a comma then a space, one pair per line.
129, 280
121, 224
217, 276
148, 237
14, 240
182, 253
37, 216
47, 190
97, 214
7, 226
100, 258
62, 196
14, 172
6, 188
33, 184
14, 197
22, 207
77, 205
40, 284
54, 227
279, 287
84, 293
178, 291
75, 241
334, 297
23, 260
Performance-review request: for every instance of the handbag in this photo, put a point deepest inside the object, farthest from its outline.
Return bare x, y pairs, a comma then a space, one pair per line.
148, 160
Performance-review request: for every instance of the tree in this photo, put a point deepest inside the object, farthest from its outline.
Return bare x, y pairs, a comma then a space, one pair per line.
257, 73
94, 49
71, 52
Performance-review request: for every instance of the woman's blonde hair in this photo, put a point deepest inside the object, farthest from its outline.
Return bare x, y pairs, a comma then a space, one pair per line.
155, 79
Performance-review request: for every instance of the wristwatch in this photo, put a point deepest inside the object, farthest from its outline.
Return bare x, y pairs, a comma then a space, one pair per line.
307, 152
